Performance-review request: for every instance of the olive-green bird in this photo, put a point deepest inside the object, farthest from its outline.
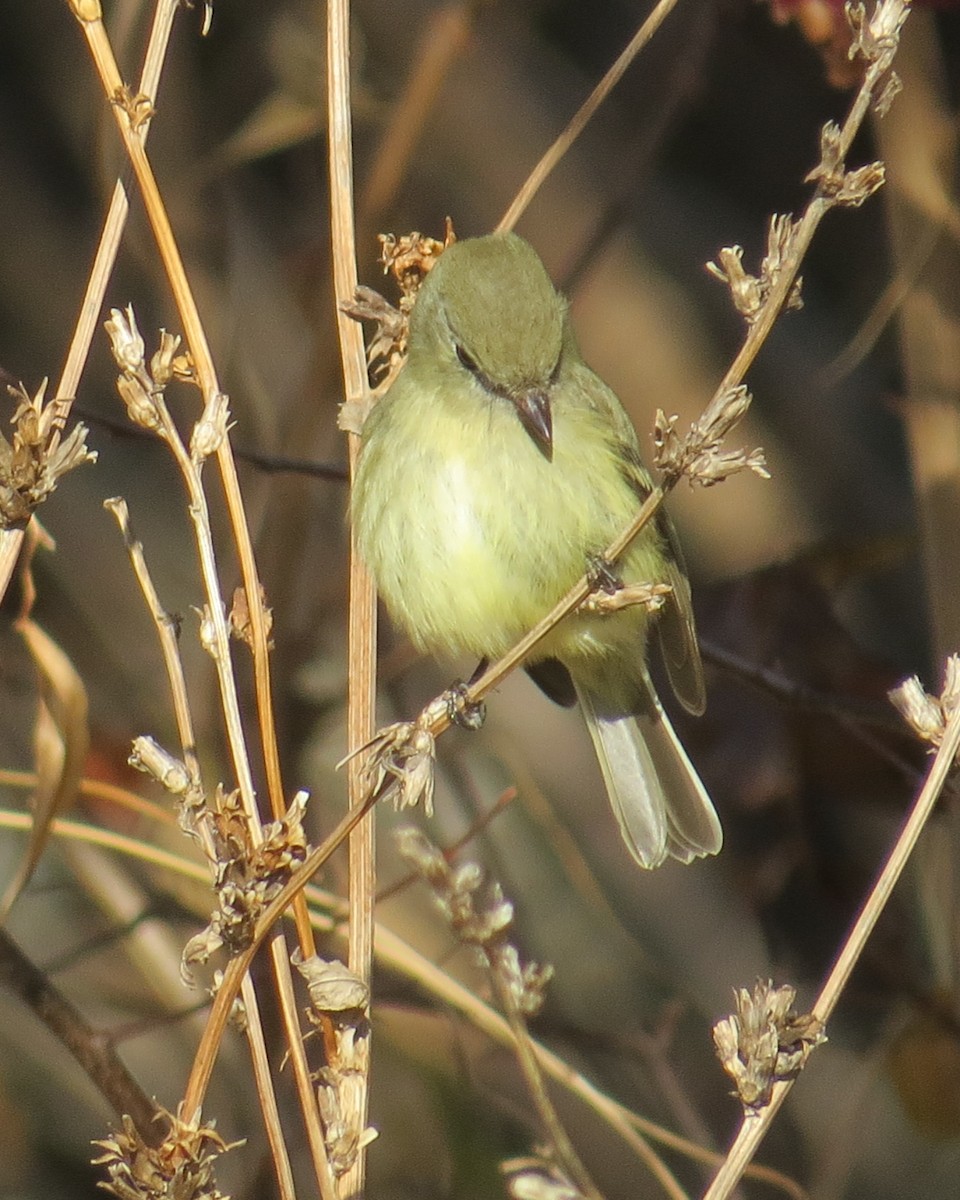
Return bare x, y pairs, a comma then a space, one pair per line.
491, 473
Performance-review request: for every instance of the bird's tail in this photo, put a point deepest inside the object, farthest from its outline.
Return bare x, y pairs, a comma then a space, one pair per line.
656, 794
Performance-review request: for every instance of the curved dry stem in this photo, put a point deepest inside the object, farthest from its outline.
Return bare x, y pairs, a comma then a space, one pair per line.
125, 110
560, 1143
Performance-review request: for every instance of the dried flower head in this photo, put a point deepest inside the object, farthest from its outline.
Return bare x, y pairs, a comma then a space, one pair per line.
388, 346
333, 987
342, 1139
150, 757
241, 626
651, 596
248, 873
404, 754
698, 454
140, 403
764, 1041
836, 183
410, 258
479, 915
36, 456
137, 105
750, 292
125, 340
928, 715
180, 1168
141, 385
211, 429
876, 39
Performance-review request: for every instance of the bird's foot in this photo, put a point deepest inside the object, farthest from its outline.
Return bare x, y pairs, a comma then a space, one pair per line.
462, 711
605, 599
603, 575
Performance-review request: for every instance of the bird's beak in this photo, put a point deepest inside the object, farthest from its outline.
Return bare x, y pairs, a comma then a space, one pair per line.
533, 409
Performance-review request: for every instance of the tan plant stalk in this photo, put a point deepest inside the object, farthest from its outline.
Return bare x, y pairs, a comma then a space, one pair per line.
584, 114
755, 1126
361, 636
178, 687
128, 112
11, 540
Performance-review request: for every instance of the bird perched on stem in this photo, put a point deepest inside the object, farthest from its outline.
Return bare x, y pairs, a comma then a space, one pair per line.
494, 470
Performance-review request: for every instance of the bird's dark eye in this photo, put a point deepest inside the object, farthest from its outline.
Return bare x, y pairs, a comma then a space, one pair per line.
466, 360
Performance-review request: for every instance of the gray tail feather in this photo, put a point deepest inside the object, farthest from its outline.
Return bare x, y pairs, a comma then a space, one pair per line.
655, 792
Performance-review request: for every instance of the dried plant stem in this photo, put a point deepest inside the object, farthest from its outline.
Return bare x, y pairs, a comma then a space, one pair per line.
301, 1068
361, 636
396, 954
92, 1051
203, 361
99, 790
266, 1094
92, 304
207, 1050
584, 114
220, 644
167, 635
178, 687
755, 1127
567, 1157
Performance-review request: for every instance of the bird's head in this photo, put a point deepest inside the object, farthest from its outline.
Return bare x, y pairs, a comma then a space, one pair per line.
489, 312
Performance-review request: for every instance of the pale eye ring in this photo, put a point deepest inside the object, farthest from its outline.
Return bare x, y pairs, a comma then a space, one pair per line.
466, 359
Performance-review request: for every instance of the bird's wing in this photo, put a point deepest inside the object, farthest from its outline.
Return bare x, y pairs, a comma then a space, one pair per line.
676, 628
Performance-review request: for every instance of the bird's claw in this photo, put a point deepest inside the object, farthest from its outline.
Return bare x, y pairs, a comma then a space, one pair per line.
603, 575
461, 711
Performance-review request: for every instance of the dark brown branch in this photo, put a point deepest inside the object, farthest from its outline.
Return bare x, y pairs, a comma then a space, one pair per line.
91, 1049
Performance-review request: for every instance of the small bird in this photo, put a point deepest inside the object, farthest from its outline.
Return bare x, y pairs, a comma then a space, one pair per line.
493, 471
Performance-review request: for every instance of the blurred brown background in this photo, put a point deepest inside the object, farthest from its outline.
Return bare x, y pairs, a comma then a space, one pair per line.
815, 591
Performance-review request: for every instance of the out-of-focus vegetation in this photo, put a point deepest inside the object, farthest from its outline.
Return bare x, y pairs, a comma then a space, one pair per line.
815, 592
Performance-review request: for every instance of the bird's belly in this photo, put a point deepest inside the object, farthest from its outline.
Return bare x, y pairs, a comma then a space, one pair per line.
485, 553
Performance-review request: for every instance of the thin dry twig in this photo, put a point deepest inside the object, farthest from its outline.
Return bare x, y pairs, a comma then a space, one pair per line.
584, 114
92, 303
209, 438
193, 792
755, 1126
